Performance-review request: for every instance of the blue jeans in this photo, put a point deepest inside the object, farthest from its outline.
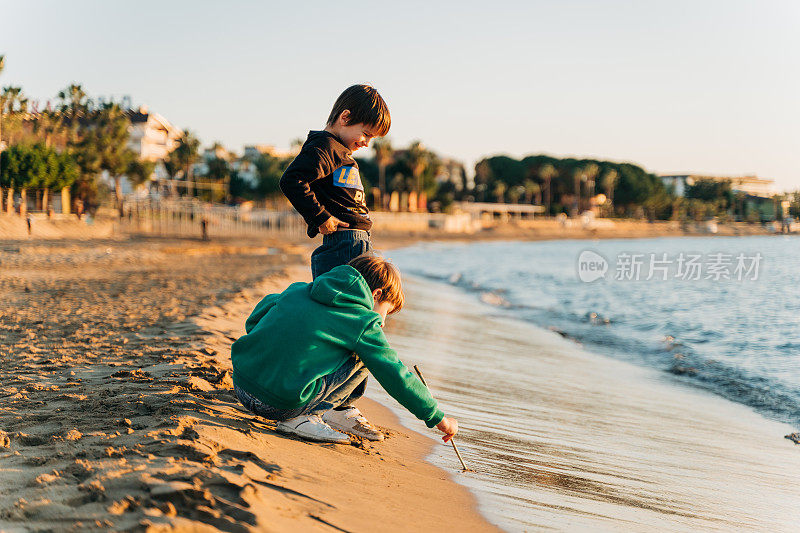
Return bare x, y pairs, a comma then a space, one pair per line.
339, 248
339, 389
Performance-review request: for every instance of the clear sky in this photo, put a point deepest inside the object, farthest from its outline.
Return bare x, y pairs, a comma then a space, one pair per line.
703, 86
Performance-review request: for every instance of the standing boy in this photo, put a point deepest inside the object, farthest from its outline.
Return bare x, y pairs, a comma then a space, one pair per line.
323, 182
324, 185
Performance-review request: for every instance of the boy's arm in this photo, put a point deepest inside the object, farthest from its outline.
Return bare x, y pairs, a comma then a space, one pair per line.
382, 361
311, 164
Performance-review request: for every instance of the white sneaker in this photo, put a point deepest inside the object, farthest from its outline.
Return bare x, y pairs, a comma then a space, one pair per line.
352, 421
311, 427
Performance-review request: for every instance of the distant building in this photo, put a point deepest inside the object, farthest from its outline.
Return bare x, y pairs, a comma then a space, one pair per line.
218, 152
151, 136
750, 185
246, 169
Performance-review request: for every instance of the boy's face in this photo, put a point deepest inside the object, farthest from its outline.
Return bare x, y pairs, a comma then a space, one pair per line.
382, 308
355, 136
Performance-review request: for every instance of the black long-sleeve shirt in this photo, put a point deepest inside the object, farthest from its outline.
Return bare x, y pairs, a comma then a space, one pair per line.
323, 181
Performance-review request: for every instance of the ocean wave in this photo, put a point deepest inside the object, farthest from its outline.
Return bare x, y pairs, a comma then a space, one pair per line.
635, 337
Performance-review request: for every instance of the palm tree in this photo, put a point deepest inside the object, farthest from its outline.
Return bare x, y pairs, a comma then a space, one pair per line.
47, 126
578, 176
13, 108
531, 189
483, 174
183, 157
609, 184
139, 171
418, 161
587, 173
73, 100
546, 174
218, 149
2, 146
514, 193
591, 171
73, 104
499, 190
2, 66
383, 157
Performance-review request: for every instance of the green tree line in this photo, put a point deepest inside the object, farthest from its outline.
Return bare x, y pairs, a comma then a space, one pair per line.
569, 185
67, 145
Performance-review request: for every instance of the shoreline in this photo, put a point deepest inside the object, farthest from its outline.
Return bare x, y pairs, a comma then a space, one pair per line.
591, 442
13, 229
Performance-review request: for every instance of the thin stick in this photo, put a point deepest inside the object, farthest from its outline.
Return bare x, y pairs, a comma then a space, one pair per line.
452, 439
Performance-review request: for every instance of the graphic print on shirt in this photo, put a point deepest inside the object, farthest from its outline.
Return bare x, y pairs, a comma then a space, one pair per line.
348, 177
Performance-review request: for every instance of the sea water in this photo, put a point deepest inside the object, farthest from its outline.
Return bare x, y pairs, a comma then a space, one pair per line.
645, 398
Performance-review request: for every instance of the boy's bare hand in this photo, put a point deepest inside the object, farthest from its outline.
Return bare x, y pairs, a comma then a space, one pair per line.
331, 225
449, 427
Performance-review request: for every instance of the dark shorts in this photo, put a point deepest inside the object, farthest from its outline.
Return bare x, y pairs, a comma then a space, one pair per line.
339, 248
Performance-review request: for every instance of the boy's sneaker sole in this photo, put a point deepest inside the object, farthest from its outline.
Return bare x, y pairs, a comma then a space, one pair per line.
352, 421
311, 428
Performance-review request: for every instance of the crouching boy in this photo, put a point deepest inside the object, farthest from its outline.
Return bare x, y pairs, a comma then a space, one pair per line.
308, 348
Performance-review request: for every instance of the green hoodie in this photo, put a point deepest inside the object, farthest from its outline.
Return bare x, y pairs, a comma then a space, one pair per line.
308, 331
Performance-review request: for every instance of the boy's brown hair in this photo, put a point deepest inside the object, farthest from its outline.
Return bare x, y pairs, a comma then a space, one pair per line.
381, 274
366, 107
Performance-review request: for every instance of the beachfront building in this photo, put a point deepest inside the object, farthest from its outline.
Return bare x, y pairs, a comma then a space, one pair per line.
749, 185
491, 211
152, 136
755, 197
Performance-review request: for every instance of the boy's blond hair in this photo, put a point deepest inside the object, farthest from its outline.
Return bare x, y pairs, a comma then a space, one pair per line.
381, 274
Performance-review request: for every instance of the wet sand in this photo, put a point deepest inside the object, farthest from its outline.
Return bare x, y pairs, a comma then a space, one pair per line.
117, 410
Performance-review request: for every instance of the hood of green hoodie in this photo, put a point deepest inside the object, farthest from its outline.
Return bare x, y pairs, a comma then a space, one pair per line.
343, 286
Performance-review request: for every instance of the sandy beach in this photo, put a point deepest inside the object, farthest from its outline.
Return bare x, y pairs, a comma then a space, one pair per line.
118, 413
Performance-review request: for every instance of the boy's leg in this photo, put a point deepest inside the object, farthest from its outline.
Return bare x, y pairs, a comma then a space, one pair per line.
340, 387
343, 387
339, 248
254, 405
292, 421
357, 393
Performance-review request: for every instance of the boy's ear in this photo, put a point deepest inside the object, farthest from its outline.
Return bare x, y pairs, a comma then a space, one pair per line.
376, 294
344, 118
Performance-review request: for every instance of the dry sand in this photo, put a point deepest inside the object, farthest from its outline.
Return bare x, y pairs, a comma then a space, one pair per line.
58, 227
117, 412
